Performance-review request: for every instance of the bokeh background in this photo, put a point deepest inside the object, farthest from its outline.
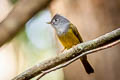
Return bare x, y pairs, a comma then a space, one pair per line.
37, 41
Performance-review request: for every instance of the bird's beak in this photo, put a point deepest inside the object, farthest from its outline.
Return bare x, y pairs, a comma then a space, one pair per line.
48, 22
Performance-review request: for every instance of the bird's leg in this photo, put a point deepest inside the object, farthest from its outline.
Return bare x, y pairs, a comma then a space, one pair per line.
63, 49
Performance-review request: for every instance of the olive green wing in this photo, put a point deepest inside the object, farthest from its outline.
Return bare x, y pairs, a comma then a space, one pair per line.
75, 31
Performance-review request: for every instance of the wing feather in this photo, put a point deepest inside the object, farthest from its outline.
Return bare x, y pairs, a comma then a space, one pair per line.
75, 31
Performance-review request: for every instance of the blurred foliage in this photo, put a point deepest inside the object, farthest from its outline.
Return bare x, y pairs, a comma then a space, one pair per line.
13, 1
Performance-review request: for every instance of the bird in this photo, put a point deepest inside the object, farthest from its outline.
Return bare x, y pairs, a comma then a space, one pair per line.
68, 35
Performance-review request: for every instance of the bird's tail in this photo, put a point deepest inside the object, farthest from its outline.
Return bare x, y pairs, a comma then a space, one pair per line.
87, 66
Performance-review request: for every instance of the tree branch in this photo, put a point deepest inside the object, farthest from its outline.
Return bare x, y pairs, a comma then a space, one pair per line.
70, 54
21, 13
78, 57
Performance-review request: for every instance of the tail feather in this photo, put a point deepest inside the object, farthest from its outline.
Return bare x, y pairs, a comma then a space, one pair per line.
87, 66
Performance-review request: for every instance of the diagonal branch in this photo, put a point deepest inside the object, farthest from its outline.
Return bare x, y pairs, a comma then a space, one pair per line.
70, 54
78, 57
21, 13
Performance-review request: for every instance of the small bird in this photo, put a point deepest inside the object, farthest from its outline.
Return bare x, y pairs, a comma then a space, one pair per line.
69, 36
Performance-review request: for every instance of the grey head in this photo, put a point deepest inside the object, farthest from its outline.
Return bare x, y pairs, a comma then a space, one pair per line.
60, 24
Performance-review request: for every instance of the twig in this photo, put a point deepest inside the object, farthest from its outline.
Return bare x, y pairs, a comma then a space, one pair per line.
69, 54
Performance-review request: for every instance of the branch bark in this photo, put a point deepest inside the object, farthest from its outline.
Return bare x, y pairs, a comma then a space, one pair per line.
72, 60
21, 13
70, 54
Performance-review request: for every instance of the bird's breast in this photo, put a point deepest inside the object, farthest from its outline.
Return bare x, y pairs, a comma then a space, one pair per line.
68, 39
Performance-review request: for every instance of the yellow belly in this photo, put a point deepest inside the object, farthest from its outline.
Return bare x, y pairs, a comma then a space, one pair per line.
69, 39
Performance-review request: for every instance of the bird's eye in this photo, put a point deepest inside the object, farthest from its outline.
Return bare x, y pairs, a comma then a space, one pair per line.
56, 20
